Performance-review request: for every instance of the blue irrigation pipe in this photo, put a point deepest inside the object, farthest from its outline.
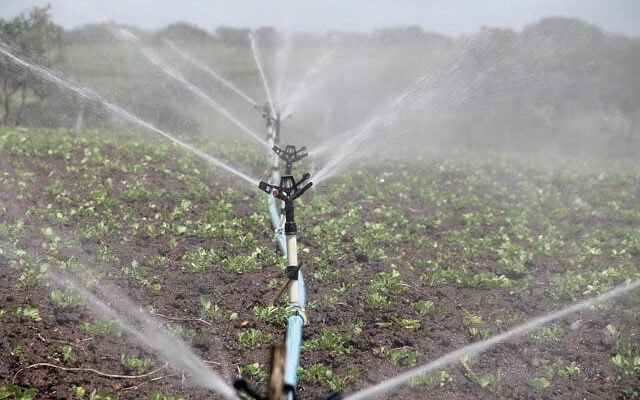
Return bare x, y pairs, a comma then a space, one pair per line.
287, 192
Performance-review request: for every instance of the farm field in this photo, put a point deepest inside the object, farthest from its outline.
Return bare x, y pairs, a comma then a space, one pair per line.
404, 262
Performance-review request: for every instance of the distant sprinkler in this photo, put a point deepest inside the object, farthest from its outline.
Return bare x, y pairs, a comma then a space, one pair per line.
290, 155
272, 120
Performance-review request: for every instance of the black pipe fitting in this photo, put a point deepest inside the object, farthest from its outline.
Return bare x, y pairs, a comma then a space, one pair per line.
292, 272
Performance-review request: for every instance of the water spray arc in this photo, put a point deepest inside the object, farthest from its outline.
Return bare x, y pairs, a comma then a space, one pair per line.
119, 111
176, 75
150, 332
482, 346
212, 73
256, 57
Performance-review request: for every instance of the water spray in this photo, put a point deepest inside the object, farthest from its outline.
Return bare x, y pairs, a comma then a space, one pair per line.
211, 72
482, 346
119, 111
256, 57
145, 329
155, 59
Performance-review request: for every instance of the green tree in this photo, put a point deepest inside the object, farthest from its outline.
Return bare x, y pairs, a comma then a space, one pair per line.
32, 35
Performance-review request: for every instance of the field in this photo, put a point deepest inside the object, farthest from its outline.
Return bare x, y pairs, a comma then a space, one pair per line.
404, 262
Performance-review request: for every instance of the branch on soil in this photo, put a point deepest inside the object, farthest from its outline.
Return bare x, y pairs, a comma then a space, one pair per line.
95, 371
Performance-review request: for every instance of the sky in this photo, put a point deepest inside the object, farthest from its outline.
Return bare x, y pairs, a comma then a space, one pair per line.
451, 17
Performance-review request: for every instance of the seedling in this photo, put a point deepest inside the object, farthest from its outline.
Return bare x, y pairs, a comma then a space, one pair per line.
67, 355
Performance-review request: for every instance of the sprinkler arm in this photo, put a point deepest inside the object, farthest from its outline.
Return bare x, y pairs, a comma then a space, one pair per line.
284, 192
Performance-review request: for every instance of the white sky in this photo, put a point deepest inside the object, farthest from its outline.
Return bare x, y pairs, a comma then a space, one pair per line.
452, 17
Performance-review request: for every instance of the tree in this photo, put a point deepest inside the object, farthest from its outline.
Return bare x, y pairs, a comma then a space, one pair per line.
32, 35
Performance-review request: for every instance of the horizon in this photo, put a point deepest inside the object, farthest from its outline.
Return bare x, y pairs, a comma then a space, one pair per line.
453, 18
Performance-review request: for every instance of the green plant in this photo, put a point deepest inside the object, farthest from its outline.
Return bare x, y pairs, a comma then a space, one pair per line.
162, 396
16, 392
271, 314
200, 260
252, 338
432, 379
483, 380
424, 307
67, 355
549, 334
330, 341
211, 310
66, 299
102, 327
377, 300
137, 364
627, 357
401, 356
15, 349
540, 383
78, 391
253, 371
179, 330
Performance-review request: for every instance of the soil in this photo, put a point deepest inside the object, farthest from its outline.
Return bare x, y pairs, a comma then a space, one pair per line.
516, 362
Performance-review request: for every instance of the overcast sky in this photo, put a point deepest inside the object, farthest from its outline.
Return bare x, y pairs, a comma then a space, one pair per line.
453, 17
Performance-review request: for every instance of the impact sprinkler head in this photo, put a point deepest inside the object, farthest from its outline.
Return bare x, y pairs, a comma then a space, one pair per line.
290, 155
288, 190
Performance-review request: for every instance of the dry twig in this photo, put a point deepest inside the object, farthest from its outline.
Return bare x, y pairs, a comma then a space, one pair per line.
95, 371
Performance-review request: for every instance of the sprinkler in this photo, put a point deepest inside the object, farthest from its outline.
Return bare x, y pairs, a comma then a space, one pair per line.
287, 191
272, 120
285, 359
290, 155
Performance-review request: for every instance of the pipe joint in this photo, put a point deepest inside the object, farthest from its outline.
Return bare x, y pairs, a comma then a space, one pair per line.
292, 272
